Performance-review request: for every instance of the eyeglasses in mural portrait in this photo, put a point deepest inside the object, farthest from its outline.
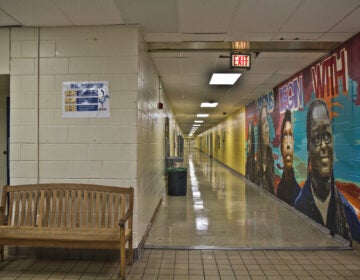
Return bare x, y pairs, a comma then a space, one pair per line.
307, 148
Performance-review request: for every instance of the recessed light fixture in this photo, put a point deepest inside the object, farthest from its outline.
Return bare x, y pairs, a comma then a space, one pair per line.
198, 121
224, 78
202, 115
209, 104
196, 124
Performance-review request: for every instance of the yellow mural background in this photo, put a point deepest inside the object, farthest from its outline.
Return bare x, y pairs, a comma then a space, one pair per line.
226, 141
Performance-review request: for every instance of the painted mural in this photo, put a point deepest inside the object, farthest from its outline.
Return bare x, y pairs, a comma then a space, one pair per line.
303, 141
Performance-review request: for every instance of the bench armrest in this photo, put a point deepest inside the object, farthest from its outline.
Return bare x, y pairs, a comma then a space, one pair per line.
123, 219
3, 217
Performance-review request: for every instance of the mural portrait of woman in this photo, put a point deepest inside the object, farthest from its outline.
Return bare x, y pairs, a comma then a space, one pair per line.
288, 189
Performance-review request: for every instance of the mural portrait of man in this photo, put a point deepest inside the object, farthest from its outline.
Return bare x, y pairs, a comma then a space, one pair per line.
319, 198
288, 189
264, 159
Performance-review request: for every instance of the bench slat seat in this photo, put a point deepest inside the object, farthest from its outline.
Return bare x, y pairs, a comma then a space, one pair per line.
68, 216
30, 234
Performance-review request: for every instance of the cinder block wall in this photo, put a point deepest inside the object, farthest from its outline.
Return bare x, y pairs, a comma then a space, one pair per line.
125, 149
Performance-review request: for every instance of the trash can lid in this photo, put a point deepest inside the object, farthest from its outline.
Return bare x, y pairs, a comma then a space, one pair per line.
181, 168
176, 169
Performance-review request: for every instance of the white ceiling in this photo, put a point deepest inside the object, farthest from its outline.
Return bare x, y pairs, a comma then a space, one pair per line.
283, 36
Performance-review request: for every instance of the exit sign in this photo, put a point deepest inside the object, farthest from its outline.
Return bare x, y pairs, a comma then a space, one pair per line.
240, 60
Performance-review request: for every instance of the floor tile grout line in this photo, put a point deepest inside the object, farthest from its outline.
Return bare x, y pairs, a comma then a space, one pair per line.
232, 269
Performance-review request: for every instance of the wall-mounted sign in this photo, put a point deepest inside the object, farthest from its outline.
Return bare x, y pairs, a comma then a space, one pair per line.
240, 60
86, 100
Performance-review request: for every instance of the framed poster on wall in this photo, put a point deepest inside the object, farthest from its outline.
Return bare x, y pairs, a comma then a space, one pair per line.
85, 99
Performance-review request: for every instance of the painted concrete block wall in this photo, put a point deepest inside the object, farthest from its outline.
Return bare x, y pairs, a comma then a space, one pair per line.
84, 149
4, 50
45, 147
126, 149
151, 140
23, 104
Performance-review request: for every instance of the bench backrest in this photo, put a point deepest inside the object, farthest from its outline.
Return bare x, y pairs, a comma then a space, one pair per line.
67, 205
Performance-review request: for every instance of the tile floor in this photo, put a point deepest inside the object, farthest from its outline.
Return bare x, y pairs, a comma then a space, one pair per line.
198, 264
243, 264
224, 228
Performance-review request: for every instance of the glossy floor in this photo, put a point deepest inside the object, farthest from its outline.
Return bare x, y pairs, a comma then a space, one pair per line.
223, 210
224, 228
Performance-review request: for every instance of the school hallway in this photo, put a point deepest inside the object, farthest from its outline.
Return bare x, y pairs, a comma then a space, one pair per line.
221, 209
228, 228
223, 228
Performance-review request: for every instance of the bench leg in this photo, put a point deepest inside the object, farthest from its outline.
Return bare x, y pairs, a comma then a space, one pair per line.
131, 252
122, 263
2, 253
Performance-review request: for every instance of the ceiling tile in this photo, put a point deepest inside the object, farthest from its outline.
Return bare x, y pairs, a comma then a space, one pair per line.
262, 15
90, 12
215, 15
336, 37
196, 37
35, 12
319, 15
162, 37
155, 16
350, 23
6, 20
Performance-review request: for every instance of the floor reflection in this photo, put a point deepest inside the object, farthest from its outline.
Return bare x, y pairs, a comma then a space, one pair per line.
221, 209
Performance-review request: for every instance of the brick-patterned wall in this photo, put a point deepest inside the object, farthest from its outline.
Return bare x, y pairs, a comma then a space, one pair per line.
124, 149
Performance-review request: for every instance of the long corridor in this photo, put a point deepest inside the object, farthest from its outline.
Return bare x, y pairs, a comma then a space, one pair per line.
223, 210
223, 229
227, 228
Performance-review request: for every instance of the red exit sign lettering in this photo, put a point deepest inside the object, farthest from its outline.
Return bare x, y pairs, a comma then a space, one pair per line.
242, 61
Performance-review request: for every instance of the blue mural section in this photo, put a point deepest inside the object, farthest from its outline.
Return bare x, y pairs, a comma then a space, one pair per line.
305, 145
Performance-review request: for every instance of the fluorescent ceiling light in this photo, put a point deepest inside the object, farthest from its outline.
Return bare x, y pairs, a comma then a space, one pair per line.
196, 124
202, 115
209, 104
224, 78
198, 121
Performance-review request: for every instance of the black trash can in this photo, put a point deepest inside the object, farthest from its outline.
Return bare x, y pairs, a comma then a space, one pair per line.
177, 177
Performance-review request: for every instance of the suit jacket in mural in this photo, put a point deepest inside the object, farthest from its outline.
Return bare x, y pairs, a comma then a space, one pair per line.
289, 189
250, 170
336, 219
265, 178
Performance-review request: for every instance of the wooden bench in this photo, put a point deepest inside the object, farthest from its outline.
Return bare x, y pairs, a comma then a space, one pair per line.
68, 216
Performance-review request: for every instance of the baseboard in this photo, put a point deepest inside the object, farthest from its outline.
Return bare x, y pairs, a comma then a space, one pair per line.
140, 249
356, 245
